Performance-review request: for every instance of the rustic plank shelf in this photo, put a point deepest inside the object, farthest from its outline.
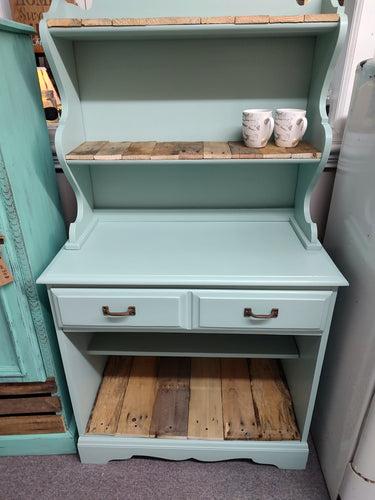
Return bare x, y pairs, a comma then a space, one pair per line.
173, 21
198, 398
201, 150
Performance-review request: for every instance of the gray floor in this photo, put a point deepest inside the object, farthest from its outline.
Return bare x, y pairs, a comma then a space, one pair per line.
63, 477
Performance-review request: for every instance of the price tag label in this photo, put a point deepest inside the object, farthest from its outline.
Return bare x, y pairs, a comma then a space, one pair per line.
5, 275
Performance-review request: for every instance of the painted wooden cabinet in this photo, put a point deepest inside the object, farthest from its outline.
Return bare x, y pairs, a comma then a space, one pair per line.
31, 223
193, 299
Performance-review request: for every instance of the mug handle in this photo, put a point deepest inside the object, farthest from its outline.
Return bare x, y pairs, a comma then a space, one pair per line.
270, 122
302, 122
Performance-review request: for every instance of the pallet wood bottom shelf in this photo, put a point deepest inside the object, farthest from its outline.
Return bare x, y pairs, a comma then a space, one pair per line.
193, 398
30, 408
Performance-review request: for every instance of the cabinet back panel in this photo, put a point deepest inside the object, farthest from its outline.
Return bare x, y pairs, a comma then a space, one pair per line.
187, 90
193, 186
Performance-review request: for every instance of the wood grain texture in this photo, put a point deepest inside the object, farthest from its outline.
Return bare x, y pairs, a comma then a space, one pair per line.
86, 151
97, 22
31, 424
139, 150
64, 23
205, 408
238, 408
178, 151
272, 402
106, 412
218, 20
25, 388
252, 19
138, 403
216, 150
171, 409
287, 19
321, 18
112, 151
240, 151
26, 405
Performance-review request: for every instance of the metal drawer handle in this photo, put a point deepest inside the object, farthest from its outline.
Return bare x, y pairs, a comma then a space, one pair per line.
248, 313
129, 312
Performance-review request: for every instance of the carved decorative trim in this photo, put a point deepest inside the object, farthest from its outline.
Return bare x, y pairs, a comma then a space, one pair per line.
23, 275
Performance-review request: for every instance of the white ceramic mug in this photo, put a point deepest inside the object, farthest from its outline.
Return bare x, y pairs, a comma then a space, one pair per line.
257, 127
290, 125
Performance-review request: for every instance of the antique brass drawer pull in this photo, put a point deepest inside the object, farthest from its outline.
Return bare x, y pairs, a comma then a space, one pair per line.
248, 313
129, 312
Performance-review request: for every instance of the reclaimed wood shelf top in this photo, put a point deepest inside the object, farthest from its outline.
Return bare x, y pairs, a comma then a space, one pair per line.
191, 20
193, 398
200, 150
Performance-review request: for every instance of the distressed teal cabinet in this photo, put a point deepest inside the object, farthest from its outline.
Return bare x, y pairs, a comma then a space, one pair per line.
30, 220
193, 299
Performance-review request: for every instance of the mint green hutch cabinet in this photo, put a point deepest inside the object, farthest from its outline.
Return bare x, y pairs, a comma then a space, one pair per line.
193, 300
33, 230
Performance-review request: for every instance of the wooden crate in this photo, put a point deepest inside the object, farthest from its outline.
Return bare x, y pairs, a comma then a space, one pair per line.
30, 408
194, 398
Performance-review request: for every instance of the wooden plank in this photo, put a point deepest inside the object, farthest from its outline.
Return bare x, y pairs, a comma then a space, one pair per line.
35, 424
216, 150
191, 150
127, 21
240, 151
64, 23
322, 18
272, 402
171, 408
305, 150
159, 21
97, 22
178, 151
166, 151
24, 388
25, 405
271, 151
136, 412
139, 150
205, 408
252, 19
238, 408
112, 151
85, 151
106, 412
155, 21
287, 19
218, 20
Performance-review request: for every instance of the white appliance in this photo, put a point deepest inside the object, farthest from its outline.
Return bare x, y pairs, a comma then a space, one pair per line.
344, 419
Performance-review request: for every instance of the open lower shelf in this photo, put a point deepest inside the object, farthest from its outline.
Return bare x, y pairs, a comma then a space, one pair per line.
190, 344
200, 150
193, 398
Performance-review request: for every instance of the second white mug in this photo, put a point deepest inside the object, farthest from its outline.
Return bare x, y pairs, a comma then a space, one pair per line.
290, 125
257, 127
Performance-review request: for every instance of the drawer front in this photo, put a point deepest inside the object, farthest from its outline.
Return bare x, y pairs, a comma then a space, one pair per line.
294, 310
83, 308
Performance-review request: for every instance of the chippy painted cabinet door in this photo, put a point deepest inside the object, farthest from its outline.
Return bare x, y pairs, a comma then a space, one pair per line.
20, 356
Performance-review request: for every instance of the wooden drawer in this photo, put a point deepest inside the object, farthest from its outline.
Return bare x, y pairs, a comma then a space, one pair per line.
77, 308
294, 310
